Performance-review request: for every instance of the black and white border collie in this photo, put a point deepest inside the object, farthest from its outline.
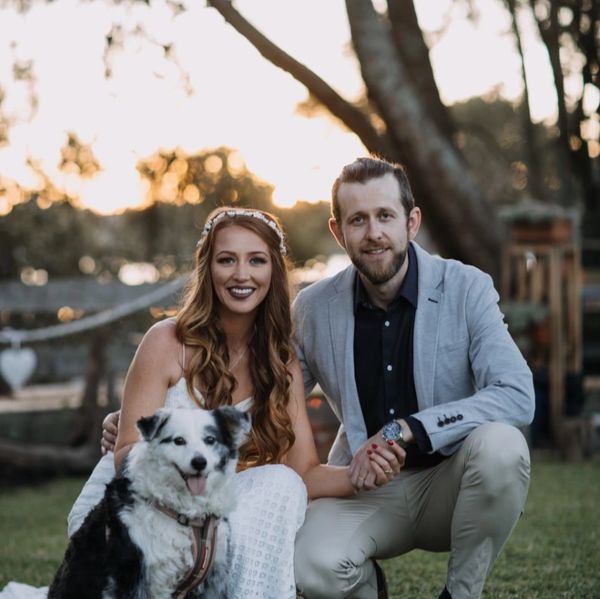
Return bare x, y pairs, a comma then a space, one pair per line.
128, 547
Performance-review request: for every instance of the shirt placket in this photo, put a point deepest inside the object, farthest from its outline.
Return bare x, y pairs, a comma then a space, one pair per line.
389, 366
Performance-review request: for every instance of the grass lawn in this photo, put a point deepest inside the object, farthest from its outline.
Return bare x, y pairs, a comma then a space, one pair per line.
554, 552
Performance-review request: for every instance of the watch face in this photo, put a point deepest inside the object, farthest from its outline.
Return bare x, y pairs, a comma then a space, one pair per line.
392, 431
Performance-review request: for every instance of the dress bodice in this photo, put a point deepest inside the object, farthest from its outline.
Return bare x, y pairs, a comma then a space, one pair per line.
179, 397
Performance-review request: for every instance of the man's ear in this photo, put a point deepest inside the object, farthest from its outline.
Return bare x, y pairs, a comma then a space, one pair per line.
336, 231
414, 222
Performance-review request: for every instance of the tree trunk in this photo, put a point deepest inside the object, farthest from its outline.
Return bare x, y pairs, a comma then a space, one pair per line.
459, 208
535, 171
87, 418
550, 34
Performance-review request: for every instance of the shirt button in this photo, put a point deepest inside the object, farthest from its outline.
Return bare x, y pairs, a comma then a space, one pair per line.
389, 367
392, 411
387, 323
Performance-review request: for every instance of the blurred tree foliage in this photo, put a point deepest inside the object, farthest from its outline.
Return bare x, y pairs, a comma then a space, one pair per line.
55, 235
401, 116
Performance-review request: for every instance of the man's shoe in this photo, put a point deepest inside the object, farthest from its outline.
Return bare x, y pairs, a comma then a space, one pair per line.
382, 587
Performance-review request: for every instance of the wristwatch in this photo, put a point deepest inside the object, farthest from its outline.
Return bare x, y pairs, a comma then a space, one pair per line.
392, 431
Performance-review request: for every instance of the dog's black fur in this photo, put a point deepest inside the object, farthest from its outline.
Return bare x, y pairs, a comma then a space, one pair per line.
101, 546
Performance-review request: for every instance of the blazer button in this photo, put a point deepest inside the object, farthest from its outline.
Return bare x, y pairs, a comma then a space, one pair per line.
452, 418
459, 417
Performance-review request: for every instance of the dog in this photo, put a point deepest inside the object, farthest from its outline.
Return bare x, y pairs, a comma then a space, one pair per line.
138, 542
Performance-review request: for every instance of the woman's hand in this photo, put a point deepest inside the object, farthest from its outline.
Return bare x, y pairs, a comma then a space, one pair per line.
375, 463
110, 429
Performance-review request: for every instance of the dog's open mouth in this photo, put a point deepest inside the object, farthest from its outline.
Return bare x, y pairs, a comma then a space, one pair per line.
195, 483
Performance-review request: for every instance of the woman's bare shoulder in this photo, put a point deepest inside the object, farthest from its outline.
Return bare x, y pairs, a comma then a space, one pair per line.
160, 346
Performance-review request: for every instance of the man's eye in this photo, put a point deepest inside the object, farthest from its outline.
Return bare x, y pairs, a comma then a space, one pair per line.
210, 440
179, 441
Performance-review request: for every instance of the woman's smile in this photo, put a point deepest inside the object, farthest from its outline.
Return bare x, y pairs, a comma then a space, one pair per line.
241, 269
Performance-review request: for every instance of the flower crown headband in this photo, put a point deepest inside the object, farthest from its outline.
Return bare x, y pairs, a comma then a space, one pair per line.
232, 213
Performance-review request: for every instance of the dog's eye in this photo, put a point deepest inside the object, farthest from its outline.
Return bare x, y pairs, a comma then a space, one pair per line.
210, 440
179, 441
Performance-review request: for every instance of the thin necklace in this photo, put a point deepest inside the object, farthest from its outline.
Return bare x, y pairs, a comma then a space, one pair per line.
233, 364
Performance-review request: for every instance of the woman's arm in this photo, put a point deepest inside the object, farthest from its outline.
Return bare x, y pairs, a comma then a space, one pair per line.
321, 480
154, 368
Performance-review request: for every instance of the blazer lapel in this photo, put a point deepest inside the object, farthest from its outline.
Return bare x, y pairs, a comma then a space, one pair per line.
426, 331
341, 320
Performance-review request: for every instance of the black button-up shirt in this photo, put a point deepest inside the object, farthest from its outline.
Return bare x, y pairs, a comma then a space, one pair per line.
383, 363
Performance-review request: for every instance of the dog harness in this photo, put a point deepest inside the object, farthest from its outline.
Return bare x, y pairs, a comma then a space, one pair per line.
204, 545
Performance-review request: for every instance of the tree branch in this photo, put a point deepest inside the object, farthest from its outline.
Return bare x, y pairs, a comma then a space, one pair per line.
414, 53
351, 116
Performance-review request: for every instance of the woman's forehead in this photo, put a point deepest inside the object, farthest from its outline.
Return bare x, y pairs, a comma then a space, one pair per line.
238, 238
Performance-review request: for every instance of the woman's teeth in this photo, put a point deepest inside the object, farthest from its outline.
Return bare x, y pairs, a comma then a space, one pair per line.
241, 291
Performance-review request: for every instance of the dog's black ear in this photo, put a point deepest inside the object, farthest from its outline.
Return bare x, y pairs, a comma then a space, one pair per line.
150, 426
235, 423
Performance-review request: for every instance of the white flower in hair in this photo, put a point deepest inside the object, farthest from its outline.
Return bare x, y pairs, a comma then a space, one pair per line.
233, 212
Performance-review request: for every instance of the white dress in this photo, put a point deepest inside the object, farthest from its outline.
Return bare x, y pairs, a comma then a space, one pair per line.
271, 503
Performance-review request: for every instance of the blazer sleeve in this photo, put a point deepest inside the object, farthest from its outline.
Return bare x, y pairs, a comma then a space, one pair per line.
302, 332
502, 380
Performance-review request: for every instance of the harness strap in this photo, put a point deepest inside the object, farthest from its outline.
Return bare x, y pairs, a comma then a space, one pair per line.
204, 547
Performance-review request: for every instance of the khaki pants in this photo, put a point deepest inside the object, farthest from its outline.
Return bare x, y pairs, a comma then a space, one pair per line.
468, 505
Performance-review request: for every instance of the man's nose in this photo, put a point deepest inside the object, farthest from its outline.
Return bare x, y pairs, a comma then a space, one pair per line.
373, 229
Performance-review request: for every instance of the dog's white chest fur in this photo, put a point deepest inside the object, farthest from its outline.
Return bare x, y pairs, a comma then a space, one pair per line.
167, 547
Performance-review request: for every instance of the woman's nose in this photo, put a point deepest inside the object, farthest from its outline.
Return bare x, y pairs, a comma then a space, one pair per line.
241, 271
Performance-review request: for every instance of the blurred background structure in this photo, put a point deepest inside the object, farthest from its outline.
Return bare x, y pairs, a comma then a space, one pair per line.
123, 123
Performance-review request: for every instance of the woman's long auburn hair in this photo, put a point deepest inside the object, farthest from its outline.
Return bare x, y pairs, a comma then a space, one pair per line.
198, 326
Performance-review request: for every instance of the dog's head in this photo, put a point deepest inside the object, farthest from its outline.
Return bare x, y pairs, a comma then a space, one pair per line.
198, 446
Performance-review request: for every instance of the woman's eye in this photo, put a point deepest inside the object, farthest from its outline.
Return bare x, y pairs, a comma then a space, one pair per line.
258, 261
227, 260
210, 440
179, 441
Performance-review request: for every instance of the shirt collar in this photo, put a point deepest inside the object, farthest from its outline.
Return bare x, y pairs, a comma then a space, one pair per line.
408, 290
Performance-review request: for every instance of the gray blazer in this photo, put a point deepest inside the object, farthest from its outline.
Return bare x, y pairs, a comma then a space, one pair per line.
467, 369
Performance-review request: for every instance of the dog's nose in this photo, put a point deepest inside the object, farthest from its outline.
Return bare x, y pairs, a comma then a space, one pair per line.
199, 463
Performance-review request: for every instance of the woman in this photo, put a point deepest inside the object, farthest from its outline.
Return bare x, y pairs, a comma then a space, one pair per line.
231, 344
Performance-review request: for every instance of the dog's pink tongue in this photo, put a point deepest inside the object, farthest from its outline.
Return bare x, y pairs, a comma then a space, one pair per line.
196, 484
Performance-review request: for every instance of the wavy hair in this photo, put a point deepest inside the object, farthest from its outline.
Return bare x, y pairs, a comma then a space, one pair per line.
270, 347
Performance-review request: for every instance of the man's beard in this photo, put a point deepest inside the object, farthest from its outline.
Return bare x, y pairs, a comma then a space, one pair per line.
382, 274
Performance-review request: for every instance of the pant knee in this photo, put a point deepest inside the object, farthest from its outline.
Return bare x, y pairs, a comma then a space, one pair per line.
316, 576
499, 458
327, 571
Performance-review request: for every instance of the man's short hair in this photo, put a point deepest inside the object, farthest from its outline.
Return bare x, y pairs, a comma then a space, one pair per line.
364, 169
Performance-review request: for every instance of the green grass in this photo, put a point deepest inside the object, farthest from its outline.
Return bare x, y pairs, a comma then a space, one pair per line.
554, 552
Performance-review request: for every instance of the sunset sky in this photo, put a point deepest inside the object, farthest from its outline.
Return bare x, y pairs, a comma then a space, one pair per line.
233, 97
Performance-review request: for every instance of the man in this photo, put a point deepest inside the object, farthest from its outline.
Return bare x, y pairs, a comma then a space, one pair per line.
411, 350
